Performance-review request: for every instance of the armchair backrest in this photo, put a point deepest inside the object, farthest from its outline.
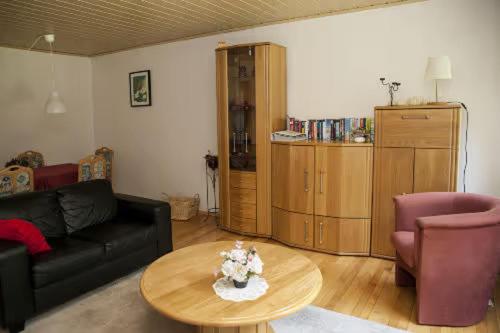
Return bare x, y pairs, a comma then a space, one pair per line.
91, 167
16, 179
33, 158
409, 207
108, 155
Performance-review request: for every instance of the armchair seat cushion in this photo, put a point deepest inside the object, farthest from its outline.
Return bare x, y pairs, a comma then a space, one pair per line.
404, 243
119, 236
68, 257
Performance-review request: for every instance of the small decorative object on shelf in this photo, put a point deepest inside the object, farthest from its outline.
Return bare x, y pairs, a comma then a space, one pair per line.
241, 269
393, 86
359, 135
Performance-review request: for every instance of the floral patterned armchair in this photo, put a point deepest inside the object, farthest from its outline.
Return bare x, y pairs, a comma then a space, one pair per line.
33, 159
91, 167
108, 154
16, 179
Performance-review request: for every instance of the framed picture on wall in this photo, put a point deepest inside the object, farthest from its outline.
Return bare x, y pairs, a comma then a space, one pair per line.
140, 88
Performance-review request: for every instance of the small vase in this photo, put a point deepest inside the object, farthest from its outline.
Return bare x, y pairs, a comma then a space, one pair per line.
240, 285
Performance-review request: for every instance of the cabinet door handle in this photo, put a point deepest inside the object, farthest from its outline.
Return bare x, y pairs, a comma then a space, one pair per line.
246, 142
321, 232
321, 181
417, 116
306, 231
234, 142
306, 184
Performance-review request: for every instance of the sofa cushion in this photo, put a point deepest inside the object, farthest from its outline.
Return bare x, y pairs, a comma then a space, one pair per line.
68, 257
40, 208
404, 243
87, 203
119, 237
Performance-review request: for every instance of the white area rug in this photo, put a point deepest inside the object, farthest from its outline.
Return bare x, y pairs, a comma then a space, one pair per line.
313, 319
119, 307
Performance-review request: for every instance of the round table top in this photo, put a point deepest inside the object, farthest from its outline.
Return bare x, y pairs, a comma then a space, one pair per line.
179, 285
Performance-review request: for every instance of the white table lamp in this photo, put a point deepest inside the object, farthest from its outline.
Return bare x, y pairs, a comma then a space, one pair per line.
438, 68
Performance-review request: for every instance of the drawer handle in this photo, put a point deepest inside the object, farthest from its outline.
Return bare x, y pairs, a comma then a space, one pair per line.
415, 117
306, 231
321, 233
306, 185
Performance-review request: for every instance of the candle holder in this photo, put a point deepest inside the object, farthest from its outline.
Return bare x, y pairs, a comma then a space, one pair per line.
393, 86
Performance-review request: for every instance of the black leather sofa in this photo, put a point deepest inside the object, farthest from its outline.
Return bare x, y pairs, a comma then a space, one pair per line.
96, 236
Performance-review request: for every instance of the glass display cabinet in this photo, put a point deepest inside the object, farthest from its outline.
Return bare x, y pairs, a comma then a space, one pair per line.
251, 104
241, 108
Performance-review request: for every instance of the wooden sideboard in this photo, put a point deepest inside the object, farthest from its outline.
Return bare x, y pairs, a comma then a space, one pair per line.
416, 150
321, 196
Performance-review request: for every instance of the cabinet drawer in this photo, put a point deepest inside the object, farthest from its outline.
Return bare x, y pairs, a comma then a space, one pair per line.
243, 179
243, 195
422, 128
293, 228
243, 224
343, 236
244, 210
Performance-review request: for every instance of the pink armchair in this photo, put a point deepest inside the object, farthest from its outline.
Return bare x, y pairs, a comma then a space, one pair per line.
448, 244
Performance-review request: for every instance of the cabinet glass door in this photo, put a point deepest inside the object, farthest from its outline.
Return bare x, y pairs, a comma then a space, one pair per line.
241, 108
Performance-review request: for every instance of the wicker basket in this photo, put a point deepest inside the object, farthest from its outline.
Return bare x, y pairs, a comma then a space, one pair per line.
183, 208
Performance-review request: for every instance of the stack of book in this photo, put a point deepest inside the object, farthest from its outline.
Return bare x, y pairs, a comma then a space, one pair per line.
289, 136
333, 129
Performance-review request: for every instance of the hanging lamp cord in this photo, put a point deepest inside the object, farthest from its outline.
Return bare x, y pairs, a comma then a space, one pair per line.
53, 68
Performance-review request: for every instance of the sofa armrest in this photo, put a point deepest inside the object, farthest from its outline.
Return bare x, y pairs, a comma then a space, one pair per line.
152, 211
16, 293
409, 207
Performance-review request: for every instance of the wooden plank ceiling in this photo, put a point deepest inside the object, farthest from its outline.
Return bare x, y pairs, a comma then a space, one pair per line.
92, 27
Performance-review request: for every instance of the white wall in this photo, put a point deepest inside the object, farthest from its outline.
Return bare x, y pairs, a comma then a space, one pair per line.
334, 64
25, 84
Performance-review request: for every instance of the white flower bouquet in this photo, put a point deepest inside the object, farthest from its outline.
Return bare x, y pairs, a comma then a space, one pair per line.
240, 264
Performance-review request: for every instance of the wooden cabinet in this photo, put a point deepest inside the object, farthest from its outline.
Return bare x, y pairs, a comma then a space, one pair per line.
251, 104
293, 178
343, 182
342, 236
293, 228
321, 195
415, 151
393, 175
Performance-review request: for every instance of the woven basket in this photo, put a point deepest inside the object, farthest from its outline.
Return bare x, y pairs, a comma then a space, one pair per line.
183, 208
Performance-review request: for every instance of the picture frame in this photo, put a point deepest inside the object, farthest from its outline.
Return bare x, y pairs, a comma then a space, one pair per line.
140, 88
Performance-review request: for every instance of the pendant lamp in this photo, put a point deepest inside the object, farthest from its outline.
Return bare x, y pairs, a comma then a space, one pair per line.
54, 104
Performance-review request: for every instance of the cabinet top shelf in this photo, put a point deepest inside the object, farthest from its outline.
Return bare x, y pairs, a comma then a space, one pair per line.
322, 143
424, 106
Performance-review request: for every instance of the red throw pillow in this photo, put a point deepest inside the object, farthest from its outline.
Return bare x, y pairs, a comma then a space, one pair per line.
26, 233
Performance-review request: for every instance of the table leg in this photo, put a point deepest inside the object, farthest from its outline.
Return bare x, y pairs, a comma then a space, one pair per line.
259, 328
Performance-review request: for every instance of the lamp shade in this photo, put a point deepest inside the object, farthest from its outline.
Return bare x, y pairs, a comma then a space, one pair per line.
438, 68
55, 104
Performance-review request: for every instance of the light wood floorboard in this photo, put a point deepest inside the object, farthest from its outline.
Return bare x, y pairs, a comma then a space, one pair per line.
358, 286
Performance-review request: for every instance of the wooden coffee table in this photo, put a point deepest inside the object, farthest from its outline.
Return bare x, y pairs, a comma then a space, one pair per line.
179, 285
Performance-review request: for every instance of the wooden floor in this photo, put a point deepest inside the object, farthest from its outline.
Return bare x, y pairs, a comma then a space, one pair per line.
358, 286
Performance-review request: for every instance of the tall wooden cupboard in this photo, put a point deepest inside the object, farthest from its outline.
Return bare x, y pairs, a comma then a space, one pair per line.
251, 104
416, 150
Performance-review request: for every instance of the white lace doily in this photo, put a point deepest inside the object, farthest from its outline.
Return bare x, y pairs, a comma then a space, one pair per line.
257, 286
